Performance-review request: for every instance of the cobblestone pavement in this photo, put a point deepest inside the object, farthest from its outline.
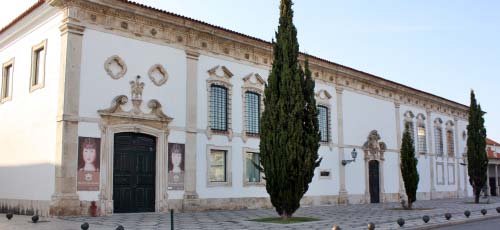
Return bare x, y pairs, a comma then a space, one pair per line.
346, 216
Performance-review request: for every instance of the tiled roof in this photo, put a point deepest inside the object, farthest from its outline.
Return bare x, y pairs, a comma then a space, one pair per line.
40, 2
492, 142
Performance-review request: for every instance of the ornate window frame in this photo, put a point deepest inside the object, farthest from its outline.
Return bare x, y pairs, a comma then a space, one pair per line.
450, 125
10, 86
228, 182
254, 83
421, 124
34, 63
220, 76
323, 98
438, 145
262, 182
408, 118
119, 61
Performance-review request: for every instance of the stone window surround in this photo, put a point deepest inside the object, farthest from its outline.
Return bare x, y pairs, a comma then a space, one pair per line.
451, 168
408, 118
323, 98
223, 80
10, 63
41, 79
249, 86
228, 182
262, 182
421, 123
162, 71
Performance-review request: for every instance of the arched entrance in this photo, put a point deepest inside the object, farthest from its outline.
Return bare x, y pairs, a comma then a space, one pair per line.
374, 181
134, 173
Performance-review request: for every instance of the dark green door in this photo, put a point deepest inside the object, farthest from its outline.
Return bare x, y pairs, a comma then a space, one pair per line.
134, 173
374, 181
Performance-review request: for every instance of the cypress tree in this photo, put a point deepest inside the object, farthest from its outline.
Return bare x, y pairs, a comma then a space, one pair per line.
476, 148
409, 166
289, 138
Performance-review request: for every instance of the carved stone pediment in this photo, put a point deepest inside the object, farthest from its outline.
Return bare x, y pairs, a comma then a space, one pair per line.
373, 147
117, 114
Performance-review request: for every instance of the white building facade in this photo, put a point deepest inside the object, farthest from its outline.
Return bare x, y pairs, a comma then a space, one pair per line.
184, 133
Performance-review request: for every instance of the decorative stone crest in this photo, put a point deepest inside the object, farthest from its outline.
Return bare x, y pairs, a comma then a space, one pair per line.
115, 67
158, 75
136, 88
373, 147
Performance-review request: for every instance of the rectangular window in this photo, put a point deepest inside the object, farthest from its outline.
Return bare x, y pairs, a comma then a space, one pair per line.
450, 143
7, 80
439, 141
422, 144
323, 123
38, 66
252, 109
218, 162
218, 108
252, 171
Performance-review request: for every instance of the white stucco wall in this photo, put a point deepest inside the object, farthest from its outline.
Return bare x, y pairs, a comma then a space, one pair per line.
28, 121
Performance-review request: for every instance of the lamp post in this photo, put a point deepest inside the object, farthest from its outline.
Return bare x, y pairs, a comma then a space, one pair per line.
354, 154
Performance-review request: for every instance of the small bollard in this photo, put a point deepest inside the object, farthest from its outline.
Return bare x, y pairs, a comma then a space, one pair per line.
484, 211
426, 219
85, 226
120, 227
401, 222
447, 216
371, 226
171, 219
9, 216
35, 218
467, 213
336, 227
498, 209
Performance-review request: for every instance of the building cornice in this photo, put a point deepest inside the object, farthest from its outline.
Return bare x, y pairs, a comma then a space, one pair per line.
141, 22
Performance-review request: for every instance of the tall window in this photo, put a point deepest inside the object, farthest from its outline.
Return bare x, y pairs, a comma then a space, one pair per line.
38, 65
252, 109
323, 123
252, 172
218, 162
450, 143
438, 133
218, 108
422, 144
412, 130
6, 80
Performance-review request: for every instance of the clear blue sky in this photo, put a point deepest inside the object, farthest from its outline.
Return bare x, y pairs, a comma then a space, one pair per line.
444, 47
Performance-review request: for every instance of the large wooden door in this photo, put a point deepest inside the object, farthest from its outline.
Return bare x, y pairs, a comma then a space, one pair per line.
134, 173
374, 181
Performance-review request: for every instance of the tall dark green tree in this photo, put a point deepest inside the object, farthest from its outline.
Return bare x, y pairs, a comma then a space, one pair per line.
289, 138
477, 160
409, 167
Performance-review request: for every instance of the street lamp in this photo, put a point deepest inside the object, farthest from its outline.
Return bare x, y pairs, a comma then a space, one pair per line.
354, 154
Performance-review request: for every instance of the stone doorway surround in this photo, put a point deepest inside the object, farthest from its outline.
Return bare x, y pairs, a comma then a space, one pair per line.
116, 120
374, 149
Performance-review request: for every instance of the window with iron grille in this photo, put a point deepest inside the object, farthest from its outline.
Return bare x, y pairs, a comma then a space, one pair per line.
218, 108
412, 130
252, 109
439, 140
422, 144
323, 123
450, 143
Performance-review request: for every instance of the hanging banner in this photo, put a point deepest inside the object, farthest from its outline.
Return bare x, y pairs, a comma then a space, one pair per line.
175, 166
89, 153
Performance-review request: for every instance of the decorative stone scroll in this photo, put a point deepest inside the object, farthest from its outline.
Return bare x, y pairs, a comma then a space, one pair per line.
115, 67
373, 147
158, 75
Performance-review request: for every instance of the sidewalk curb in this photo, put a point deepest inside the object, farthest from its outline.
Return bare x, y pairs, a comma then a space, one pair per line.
466, 221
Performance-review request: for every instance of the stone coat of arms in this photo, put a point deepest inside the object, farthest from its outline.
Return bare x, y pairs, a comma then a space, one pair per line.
373, 147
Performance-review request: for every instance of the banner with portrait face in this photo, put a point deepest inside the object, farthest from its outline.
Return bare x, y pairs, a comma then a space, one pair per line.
175, 166
89, 155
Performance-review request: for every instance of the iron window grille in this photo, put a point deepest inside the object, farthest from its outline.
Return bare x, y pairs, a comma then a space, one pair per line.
218, 108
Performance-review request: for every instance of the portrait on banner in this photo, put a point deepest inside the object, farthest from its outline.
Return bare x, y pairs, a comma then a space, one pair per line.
175, 166
88, 163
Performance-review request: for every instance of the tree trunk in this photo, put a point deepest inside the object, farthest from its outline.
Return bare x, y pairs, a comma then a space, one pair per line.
410, 204
285, 216
476, 198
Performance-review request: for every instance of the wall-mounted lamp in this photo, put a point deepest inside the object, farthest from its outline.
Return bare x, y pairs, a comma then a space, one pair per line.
354, 154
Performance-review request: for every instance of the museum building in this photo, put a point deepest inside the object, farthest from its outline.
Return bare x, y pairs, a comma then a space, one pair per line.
142, 110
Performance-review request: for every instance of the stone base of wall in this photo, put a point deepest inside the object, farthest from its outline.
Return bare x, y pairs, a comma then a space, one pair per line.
25, 207
444, 195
